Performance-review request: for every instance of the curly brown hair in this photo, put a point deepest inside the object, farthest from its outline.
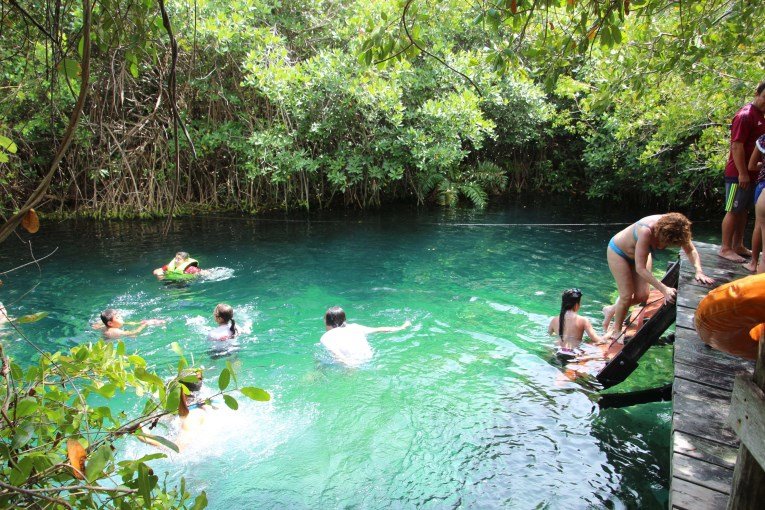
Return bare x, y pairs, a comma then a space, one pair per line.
673, 229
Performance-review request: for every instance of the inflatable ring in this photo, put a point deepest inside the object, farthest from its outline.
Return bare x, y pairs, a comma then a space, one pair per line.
730, 318
180, 277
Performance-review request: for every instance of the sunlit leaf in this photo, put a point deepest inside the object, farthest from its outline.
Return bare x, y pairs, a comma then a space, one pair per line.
28, 319
97, 462
224, 379
231, 402
255, 393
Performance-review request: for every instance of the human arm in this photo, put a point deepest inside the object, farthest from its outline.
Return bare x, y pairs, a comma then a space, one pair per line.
392, 329
739, 159
552, 327
693, 256
755, 162
591, 331
118, 333
642, 251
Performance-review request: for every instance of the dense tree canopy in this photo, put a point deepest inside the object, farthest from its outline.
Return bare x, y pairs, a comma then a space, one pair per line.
295, 104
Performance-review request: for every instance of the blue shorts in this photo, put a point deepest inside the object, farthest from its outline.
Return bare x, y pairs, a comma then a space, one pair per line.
758, 190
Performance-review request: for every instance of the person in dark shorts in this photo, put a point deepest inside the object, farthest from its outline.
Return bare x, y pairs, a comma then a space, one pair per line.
748, 125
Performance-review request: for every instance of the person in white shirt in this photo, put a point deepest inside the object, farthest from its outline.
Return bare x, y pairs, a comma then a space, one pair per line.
348, 342
224, 317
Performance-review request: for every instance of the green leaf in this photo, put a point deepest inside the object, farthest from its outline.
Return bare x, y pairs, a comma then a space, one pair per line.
224, 379
144, 485
7, 144
134, 70
69, 68
255, 393
26, 407
231, 369
107, 390
161, 440
176, 348
173, 399
21, 471
96, 462
22, 436
200, 502
137, 360
231, 402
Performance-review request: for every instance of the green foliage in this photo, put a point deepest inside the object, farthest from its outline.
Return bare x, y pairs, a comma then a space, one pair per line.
62, 399
296, 104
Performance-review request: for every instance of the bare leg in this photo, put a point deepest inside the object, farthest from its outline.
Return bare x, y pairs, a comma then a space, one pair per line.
759, 210
608, 314
623, 274
756, 246
729, 225
738, 235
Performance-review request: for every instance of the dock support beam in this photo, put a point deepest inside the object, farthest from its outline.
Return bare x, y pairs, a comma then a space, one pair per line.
747, 418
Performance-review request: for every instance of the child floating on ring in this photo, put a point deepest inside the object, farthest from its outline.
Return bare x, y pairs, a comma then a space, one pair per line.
181, 267
224, 316
570, 326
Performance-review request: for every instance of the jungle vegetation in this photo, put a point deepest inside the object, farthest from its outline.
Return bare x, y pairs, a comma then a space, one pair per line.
262, 104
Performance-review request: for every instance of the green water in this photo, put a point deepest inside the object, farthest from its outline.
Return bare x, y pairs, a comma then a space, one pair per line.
465, 409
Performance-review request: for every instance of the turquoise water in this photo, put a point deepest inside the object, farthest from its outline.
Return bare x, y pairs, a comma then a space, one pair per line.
466, 409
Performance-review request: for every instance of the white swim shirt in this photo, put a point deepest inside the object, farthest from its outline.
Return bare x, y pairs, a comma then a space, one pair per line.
349, 343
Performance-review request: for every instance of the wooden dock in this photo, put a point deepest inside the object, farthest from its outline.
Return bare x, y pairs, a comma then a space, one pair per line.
704, 448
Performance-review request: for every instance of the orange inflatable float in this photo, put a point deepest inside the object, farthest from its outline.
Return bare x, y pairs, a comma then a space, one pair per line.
730, 318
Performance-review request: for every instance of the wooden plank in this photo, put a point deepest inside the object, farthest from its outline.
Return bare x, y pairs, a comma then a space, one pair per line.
699, 374
704, 449
701, 411
692, 351
690, 496
747, 415
684, 318
704, 474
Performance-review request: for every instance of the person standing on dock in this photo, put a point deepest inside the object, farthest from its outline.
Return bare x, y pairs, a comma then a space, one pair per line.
747, 126
630, 260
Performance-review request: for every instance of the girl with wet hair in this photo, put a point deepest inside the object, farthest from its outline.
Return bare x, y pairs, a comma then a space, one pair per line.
224, 316
570, 326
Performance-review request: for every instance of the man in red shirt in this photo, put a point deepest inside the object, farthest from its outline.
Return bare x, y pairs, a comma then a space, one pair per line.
748, 125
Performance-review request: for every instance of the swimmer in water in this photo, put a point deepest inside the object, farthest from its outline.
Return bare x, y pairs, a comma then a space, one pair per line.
192, 413
224, 316
113, 323
348, 342
570, 326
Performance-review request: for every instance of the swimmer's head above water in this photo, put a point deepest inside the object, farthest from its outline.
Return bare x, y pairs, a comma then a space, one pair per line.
334, 318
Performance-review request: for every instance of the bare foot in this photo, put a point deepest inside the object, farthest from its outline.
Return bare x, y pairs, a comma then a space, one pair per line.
751, 266
608, 314
743, 251
731, 255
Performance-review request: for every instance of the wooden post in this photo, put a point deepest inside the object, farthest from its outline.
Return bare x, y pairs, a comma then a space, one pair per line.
747, 412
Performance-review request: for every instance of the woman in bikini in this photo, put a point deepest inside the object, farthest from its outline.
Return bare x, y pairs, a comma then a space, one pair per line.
630, 260
570, 327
